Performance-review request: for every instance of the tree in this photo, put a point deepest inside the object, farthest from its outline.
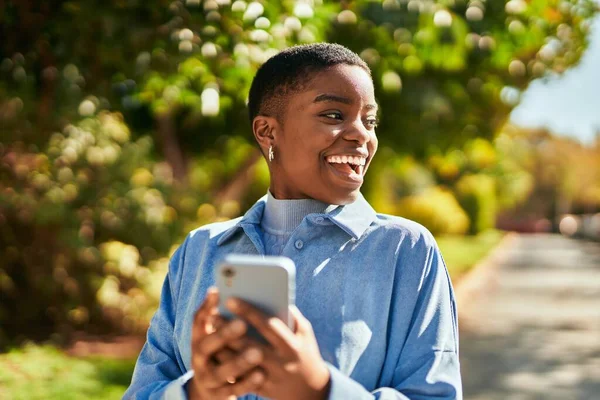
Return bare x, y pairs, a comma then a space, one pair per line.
449, 71
175, 75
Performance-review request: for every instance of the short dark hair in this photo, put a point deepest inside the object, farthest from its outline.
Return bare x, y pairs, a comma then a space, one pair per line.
290, 70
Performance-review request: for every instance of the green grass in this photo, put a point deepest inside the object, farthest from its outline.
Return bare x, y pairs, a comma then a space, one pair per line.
44, 372
461, 253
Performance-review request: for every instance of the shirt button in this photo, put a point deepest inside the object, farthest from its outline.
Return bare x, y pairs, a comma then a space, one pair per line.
319, 220
299, 244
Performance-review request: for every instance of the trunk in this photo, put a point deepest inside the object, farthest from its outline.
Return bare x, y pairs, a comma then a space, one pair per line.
48, 86
167, 140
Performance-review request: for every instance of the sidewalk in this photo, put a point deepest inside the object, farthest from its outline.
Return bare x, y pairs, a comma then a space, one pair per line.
530, 321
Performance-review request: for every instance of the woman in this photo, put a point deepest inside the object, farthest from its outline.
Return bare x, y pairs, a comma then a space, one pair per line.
374, 287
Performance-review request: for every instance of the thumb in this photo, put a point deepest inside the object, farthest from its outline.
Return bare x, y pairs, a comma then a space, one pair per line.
301, 324
212, 297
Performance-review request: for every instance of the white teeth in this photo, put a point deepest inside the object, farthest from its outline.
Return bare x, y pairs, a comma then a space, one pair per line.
355, 160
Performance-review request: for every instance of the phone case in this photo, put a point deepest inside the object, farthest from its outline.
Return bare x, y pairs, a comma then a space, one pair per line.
267, 282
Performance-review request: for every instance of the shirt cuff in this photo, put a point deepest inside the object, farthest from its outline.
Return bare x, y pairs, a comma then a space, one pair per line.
176, 389
344, 387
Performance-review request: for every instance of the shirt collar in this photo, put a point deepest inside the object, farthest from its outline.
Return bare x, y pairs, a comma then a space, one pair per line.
354, 218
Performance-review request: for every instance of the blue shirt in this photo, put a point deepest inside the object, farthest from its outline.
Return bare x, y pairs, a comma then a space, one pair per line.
374, 286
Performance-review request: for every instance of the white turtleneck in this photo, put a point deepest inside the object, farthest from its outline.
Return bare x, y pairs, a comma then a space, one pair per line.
281, 217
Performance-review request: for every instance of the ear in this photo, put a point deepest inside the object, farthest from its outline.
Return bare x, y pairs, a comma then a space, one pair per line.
265, 131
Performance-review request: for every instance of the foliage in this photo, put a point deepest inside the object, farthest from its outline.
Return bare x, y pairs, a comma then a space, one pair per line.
565, 174
148, 99
484, 176
452, 70
436, 209
44, 372
447, 71
88, 224
477, 195
392, 176
67, 213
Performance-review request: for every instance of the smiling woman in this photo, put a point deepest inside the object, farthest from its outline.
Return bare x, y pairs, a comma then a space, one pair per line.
322, 134
376, 315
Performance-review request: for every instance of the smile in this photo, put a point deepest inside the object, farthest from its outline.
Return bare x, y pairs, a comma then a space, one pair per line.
349, 168
355, 162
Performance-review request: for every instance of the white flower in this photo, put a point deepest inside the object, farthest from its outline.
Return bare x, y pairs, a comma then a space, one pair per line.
253, 11
186, 46
292, 24
474, 14
262, 23
303, 10
259, 35
515, 7
442, 18
209, 50
210, 102
86, 108
346, 17
186, 34
238, 6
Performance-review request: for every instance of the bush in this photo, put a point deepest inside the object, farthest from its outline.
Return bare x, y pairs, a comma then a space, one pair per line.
435, 208
392, 176
85, 224
88, 224
476, 194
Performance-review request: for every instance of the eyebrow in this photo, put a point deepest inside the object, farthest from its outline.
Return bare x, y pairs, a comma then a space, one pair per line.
339, 99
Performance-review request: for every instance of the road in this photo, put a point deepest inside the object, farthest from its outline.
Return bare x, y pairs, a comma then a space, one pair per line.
532, 330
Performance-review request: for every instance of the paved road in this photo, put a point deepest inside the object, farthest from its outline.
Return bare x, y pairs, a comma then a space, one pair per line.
533, 331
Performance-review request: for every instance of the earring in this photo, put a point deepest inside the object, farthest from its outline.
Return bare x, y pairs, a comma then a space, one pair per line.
271, 154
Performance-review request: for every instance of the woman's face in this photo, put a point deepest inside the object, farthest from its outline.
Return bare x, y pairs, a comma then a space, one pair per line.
327, 138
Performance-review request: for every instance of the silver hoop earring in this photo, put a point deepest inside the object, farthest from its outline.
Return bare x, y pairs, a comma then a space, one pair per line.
271, 154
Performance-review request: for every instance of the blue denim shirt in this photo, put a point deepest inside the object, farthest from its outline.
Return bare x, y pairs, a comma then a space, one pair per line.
374, 286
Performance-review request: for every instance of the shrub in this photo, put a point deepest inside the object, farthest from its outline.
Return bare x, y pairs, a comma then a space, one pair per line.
85, 223
435, 208
476, 194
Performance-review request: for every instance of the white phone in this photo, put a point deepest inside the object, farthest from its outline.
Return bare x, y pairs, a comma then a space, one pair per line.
267, 282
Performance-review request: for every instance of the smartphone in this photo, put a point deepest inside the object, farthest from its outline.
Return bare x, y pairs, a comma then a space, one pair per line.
267, 282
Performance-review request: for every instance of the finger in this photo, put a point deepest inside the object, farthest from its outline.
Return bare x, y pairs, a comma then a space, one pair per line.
248, 384
268, 389
205, 311
238, 345
206, 347
215, 322
301, 323
272, 329
243, 343
234, 347
220, 339
224, 355
211, 300
273, 365
239, 366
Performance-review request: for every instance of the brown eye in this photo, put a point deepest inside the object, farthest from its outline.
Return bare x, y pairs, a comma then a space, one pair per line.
372, 122
333, 115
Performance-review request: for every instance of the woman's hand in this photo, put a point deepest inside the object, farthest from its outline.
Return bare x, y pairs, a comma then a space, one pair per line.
293, 365
219, 371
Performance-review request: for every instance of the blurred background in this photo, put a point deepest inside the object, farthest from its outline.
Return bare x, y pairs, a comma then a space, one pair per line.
123, 126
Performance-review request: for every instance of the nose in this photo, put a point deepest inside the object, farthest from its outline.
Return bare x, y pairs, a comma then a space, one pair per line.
358, 132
